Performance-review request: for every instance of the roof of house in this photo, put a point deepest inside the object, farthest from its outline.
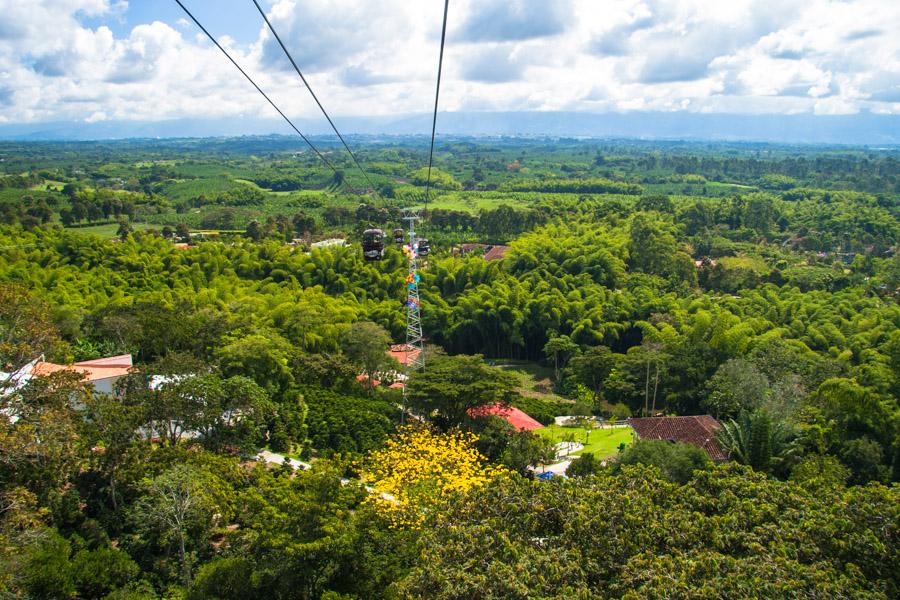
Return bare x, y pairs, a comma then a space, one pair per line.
699, 430
122, 360
510, 414
92, 370
403, 353
496, 252
363, 379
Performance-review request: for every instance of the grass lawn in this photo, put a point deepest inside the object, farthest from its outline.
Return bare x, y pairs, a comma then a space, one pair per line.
107, 230
49, 184
534, 380
472, 202
601, 442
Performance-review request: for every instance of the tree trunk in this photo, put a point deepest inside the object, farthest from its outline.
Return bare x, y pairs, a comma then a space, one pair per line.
185, 568
112, 490
647, 389
655, 387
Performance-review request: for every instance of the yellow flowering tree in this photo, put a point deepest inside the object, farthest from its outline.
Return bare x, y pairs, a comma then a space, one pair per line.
417, 468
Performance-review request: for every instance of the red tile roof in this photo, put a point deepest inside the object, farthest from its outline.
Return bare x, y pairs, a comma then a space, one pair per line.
368, 382
511, 414
496, 252
122, 360
698, 430
92, 370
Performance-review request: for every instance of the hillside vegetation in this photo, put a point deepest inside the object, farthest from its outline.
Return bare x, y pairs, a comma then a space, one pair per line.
757, 284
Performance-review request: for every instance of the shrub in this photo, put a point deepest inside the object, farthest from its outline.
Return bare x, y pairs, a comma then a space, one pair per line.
344, 423
676, 461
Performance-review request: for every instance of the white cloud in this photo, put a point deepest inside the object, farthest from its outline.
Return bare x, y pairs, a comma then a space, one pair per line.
370, 58
96, 117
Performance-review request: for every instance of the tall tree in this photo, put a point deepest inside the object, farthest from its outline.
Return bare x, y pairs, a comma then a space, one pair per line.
112, 424
179, 507
737, 385
560, 348
26, 330
592, 367
651, 248
451, 385
365, 344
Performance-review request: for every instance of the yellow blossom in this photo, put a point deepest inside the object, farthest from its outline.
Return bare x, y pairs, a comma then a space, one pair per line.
418, 467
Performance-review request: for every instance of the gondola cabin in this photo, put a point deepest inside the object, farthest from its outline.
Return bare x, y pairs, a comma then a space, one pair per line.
373, 244
424, 247
398, 236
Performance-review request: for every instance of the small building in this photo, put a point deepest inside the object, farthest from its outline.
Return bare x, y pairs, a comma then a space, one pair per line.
699, 430
512, 415
495, 252
470, 247
491, 252
102, 373
367, 382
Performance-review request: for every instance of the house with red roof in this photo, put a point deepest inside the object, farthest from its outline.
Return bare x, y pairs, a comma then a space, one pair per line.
512, 415
495, 252
403, 354
698, 430
102, 373
491, 251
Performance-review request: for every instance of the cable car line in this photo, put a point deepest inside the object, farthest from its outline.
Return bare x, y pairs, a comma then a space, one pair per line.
258, 89
437, 93
316, 98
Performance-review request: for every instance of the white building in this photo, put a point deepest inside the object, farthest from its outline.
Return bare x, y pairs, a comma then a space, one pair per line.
102, 373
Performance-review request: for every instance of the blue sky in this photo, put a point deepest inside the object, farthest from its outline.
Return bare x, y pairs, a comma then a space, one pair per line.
239, 20
114, 60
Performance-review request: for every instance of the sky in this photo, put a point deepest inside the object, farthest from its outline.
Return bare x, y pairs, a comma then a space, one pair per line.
114, 60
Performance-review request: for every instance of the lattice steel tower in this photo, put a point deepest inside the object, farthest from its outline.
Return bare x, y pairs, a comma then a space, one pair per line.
415, 351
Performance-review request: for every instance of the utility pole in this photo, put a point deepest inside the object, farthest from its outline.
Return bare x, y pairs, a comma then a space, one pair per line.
414, 350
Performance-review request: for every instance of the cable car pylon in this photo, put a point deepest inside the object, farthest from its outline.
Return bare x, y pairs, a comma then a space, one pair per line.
415, 348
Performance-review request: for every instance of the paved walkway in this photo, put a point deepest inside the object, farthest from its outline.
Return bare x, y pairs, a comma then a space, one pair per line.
278, 459
556, 468
567, 448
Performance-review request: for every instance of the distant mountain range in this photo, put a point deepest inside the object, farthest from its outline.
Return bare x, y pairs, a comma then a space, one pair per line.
859, 129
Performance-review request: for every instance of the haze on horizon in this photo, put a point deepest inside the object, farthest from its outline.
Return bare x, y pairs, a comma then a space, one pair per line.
117, 62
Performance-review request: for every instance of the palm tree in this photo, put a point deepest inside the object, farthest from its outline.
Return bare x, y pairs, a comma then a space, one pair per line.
734, 436
753, 439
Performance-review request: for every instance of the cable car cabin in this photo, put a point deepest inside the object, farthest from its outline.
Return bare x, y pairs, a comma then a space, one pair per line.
373, 244
398, 236
424, 247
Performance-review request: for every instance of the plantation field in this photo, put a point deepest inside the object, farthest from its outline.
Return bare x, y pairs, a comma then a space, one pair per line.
16, 194
312, 202
185, 189
602, 443
108, 230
